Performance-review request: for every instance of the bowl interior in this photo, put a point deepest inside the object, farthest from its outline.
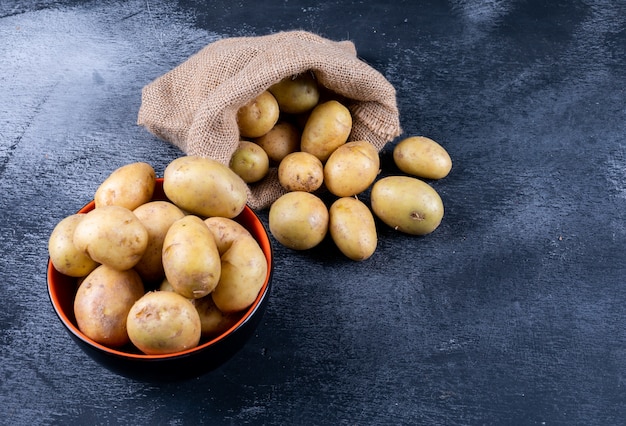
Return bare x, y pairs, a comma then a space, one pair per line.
62, 290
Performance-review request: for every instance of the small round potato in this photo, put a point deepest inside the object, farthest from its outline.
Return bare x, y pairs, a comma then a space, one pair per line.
102, 303
244, 270
296, 94
65, 256
298, 220
351, 168
191, 260
422, 157
225, 231
250, 162
326, 129
128, 186
156, 217
282, 140
301, 171
113, 236
352, 228
258, 116
407, 204
204, 187
163, 322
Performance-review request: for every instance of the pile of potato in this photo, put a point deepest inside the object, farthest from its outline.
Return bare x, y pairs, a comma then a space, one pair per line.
161, 274
303, 130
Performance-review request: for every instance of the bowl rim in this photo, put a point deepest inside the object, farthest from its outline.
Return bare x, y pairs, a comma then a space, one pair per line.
266, 247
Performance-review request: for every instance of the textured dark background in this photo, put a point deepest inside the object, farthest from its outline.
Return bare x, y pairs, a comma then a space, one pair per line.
512, 312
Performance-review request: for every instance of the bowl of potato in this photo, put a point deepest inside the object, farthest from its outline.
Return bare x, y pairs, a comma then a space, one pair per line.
162, 279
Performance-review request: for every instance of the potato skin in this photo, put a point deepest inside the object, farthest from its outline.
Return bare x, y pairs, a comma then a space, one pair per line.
204, 187
258, 116
112, 235
250, 162
225, 231
103, 301
163, 322
280, 141
156, 217
326, 129
407, 204
351, 168
352, 228
244, 269
301, 171
191, 260
296, 94
128, 186
298, 220
65, 256
422, 157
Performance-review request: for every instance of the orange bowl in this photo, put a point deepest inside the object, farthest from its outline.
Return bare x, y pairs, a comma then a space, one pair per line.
207, 356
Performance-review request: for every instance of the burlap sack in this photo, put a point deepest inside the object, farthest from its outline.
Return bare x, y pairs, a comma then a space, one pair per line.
194, 105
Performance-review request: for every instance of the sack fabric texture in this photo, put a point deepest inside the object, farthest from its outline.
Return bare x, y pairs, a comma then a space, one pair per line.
194, 106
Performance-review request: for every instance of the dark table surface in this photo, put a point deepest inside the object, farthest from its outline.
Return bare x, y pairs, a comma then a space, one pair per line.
512, 312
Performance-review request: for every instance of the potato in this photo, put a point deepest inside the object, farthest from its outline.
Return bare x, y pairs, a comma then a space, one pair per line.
258, 116
156, 217
102, 303
250, 162
407, 204
163, 322
128, 186
301, 171
352, 228
326, 129
422, 157
298, 220
351, 168
204, 187
113, 236
244, 270
65, 256
225, 231
281, 140
296, 94
190, 258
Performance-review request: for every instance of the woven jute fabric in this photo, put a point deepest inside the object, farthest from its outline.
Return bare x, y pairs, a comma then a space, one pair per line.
194, 106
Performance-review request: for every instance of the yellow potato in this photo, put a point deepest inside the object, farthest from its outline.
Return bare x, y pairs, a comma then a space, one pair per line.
301, 171
204, 187
156, 217
422, 157
258, 116
351, 168
225, 231
244, 270
283, 139
326, 129
296, 94
128, 186
407, 204
191, 260
298, 220
65, 256
113, 236
250, 162
102, 303
163, 322
352, 228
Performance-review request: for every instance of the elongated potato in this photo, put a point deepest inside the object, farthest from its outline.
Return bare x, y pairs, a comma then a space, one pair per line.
326, 129
113, 236
191, 260
407, 204
352, 228
225, 231
422, 157
128, 186
65, 256
102, 303
204, 187
351, 168
298, 220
